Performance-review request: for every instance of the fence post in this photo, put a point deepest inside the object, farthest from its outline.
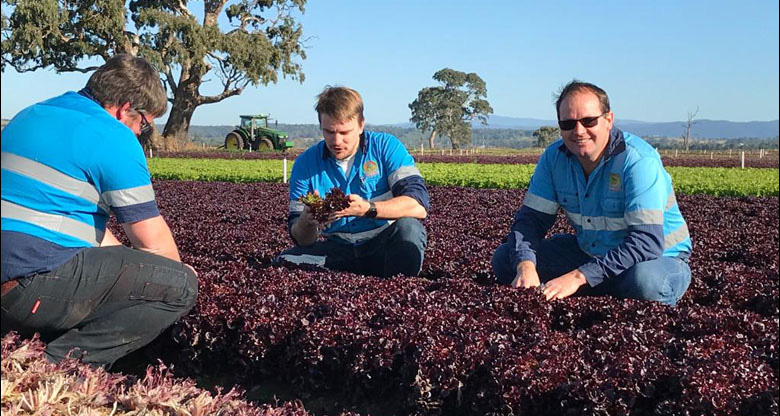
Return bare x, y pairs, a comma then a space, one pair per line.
284, 169
150, 152
743, 159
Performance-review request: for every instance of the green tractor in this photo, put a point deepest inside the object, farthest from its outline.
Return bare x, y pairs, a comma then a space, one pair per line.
254, 134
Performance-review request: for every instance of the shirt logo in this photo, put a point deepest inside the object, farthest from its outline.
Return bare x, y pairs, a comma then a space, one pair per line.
370, 168
614, 182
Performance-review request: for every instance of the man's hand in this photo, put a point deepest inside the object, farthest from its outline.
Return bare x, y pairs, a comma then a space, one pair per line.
305, 229
357, 208
564, 286
307, 220
526, 275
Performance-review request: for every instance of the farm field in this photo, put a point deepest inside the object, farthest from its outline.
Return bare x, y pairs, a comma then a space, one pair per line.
724, 159
687, 180
451, 342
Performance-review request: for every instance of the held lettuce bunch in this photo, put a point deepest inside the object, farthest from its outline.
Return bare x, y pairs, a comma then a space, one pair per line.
320, 208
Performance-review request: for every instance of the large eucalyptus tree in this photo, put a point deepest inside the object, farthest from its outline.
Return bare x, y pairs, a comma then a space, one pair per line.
238, 42
449, 108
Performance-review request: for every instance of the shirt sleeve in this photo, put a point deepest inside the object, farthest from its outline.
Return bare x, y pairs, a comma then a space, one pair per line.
535, 216
403, 177
125, 183
646, 196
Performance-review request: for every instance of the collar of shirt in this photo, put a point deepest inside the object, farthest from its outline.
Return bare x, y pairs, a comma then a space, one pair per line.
87, 92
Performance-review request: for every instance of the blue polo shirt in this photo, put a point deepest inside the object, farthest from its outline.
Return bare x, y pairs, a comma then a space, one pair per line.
382, 169
624, 213
67, 164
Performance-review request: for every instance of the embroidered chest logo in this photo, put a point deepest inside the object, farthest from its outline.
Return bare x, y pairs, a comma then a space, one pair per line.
614, 182
370, 168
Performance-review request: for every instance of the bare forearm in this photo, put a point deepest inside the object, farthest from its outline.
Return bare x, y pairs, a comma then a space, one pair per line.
153, 236
164, 246
399, 207
109, 239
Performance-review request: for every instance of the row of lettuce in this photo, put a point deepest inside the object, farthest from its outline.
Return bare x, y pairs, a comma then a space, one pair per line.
687, 180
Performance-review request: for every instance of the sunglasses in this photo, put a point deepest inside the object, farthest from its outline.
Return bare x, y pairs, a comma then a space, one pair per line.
146, 127
585, 121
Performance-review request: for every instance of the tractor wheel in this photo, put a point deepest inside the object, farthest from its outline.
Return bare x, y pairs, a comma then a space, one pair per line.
234, 141
264, 144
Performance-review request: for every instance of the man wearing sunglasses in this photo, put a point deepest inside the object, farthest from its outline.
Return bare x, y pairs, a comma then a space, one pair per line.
631, 240
67, 164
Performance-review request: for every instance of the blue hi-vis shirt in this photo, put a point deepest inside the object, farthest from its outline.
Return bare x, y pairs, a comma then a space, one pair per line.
66, 165
625, 213
382, 169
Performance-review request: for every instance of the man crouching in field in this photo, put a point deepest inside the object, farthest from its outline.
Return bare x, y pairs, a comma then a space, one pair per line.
67, 163
379, 233
631, 242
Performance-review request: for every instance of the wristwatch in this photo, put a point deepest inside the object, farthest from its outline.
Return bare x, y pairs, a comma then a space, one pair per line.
371, 213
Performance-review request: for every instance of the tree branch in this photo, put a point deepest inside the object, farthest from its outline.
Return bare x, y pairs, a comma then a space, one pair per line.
217, 98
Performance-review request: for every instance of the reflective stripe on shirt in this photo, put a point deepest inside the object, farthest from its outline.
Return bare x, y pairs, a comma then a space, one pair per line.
51, 177
597, 223
540, 204
670, 201
296, 206
401, 173
384, 197
127, 197
53, 222
676, 237
645, 217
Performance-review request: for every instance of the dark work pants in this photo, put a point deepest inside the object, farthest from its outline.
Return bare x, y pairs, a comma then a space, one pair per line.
103, 303
664, 279
398, 249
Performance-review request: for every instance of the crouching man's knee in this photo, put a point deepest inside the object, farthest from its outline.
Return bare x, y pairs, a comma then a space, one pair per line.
190, 289
407, 250
502, 265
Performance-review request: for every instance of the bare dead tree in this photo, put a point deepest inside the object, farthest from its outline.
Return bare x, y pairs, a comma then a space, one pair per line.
687, 134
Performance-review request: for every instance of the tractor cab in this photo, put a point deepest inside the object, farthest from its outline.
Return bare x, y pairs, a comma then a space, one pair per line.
253, 133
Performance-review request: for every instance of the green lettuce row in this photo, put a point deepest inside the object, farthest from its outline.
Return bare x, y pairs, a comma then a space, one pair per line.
687, 180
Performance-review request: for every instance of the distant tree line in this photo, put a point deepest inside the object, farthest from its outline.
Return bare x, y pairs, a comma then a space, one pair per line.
307, 134
715, 144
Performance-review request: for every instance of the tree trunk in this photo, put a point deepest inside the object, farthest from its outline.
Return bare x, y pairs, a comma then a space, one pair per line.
186, 100
179, 120
430, 139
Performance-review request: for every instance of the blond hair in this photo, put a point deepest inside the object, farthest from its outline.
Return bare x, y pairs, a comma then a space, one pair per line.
340, 103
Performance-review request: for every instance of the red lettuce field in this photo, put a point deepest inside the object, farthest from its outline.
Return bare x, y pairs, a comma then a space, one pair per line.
453, 343
722, 160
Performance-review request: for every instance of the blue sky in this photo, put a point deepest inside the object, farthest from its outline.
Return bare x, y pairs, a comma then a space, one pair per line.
657, 60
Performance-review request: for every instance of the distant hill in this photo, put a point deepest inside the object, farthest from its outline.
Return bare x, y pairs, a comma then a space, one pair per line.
506, 131
706, 129
703, 129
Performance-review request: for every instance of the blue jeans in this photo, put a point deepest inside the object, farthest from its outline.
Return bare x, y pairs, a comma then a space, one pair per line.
398, 249
664, 279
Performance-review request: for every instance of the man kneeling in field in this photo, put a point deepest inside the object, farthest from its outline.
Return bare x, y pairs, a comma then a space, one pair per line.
631, 242
379, 233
